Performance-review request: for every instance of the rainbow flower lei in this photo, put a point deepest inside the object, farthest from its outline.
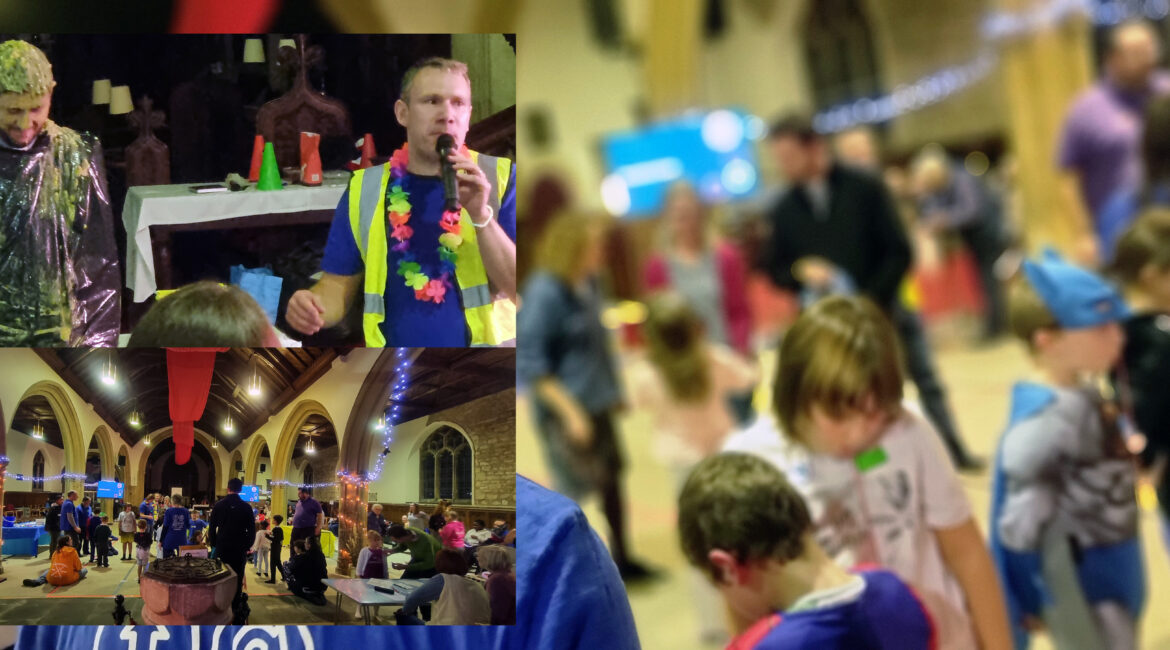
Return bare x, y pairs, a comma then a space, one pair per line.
426, 288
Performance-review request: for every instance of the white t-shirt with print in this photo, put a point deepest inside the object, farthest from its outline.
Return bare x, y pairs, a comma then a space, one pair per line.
884, 515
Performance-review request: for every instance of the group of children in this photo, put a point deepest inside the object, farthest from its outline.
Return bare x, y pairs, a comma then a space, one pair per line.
840, 522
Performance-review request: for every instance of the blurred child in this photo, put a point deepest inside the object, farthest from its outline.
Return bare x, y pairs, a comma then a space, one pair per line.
373, 562
1142, 263
261, 548
101, 540
142, 542
276, 541
750, 533
1064, 516
90, 529
197, 539
127, 523
452, 532
687, 384
877, 482
205, 314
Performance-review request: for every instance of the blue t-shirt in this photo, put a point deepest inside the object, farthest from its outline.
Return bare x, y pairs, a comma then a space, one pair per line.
571, 598
83, 514
886, 615
146, 510
67, 508
198, 524
411, 322
175, 524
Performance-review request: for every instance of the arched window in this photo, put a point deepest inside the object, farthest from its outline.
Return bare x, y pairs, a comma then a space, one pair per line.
445, 469
39, 471
308, 480
839, 52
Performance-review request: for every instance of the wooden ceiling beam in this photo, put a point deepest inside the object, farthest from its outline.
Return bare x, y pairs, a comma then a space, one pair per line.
315, 371
75, 382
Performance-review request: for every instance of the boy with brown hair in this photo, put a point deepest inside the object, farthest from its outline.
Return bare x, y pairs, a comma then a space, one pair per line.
743, 524
1064, 516
878, 484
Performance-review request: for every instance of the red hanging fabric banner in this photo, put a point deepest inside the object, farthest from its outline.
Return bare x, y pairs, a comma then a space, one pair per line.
189, 378
223, 16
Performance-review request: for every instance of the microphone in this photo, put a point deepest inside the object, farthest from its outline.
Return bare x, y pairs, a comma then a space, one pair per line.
443, 147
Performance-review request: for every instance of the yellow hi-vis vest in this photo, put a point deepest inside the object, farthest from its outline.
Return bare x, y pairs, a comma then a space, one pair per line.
487, 321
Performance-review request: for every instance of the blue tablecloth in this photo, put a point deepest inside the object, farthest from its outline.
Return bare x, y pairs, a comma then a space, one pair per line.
23, 540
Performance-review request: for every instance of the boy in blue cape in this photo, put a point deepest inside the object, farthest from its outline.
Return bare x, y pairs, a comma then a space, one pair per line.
1063, 514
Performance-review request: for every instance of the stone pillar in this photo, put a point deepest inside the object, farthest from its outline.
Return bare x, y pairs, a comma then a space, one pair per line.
351, 528
1043, 72
3, 475
671, 55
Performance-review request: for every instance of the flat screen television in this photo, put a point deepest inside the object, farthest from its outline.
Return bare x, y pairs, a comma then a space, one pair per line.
110, 489
714, 152
250, 493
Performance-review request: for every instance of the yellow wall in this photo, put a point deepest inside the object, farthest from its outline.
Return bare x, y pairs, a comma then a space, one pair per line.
22, 369
491, 64
757, 63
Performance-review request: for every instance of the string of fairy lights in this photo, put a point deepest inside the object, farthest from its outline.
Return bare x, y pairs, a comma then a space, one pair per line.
997, 30
354, 482
385, 424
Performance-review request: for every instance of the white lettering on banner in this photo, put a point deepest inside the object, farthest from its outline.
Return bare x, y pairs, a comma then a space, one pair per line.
262, 637
130, 635
250, 637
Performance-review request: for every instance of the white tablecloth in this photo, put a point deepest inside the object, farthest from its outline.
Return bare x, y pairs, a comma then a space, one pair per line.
153, 205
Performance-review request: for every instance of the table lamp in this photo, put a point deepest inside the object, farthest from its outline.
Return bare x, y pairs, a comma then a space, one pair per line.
101, 91
253, 51
120, 102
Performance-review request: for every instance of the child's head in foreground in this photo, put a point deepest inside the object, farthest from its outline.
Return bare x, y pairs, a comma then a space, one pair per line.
1142, 259
740, 522
1068, 317
205, 314
839, 378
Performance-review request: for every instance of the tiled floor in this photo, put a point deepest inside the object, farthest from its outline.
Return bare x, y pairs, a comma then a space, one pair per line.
91, 601
978, 380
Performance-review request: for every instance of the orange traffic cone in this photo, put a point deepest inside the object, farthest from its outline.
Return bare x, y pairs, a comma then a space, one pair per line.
257, 159
310, 159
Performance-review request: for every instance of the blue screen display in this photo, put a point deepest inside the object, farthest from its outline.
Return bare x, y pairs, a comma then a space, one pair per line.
250, 493
714, 152
110, 489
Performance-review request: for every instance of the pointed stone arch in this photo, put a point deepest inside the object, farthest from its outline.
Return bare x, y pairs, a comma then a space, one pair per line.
282, 455
356, 444
237, 456
71, 437
106, 450
107, 455
252, 458
164, 433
